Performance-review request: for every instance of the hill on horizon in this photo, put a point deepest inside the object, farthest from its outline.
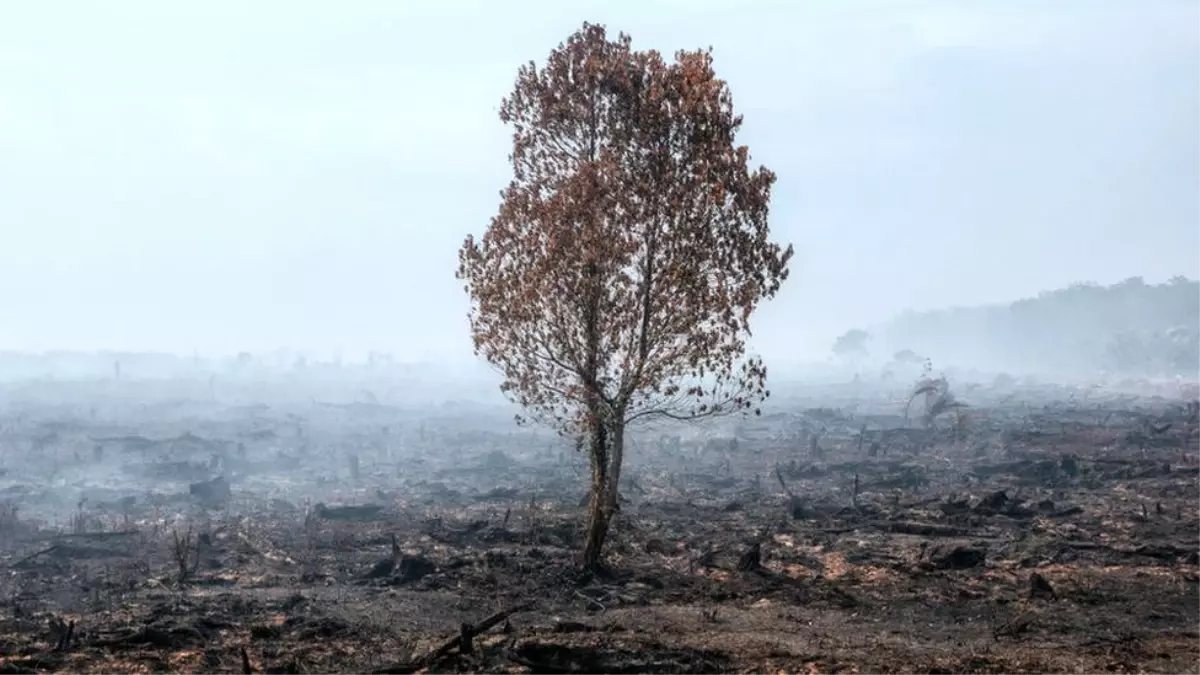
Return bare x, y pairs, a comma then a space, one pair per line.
1128, 328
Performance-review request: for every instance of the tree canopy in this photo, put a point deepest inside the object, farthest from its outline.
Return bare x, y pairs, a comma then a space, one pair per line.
851, 343
633, 214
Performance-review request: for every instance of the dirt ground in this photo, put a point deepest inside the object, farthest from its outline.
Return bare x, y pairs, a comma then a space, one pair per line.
829, 535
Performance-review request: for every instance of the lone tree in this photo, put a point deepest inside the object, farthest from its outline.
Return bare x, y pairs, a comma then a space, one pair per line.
852, 344
617, 280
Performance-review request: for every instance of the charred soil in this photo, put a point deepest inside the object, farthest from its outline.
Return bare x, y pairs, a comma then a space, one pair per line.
1057, 539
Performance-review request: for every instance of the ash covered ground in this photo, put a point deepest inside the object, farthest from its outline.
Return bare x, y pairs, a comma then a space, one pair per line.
1042, 529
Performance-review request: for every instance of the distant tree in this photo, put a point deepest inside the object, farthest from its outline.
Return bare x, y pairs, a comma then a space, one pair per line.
1183, 350
617, 281
852, 344
907, 357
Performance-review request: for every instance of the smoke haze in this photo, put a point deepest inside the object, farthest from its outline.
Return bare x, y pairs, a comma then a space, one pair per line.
227, 176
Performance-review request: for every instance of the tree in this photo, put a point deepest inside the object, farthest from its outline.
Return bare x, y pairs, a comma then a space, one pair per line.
616, 283
852, 343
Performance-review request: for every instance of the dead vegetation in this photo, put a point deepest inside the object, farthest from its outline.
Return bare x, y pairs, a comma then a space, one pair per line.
938, 400
186, 553
1051, 537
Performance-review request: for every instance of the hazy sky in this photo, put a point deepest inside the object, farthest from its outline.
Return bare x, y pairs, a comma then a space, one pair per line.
219, 176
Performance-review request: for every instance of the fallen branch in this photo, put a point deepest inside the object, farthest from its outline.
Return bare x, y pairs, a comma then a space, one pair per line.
97, 535
31, 556
924, 529
592, 601
533, 666
465, 635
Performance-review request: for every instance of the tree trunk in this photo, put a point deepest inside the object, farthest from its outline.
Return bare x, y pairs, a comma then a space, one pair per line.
598, 511
608, 448
616, 457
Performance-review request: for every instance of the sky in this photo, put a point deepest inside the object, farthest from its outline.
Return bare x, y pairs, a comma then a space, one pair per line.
222, 176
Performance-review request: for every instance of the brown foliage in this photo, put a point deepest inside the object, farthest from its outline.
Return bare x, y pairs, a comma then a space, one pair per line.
617, 281
630, 249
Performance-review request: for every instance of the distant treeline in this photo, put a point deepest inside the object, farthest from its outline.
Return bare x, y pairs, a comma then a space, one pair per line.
1130, 328
69, 365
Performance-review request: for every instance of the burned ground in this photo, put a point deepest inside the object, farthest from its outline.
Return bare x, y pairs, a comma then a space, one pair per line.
1021, 537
